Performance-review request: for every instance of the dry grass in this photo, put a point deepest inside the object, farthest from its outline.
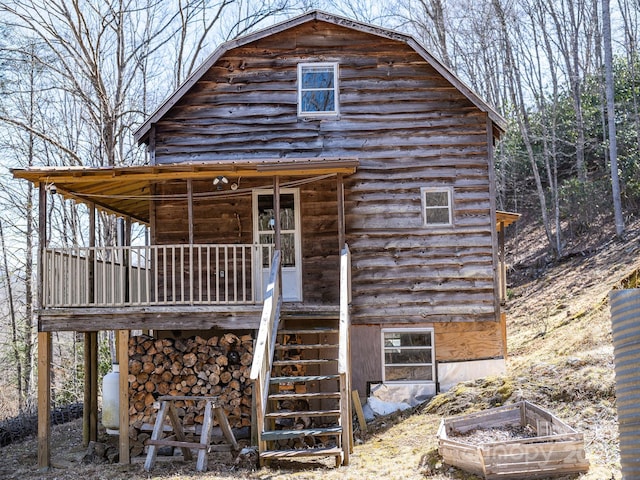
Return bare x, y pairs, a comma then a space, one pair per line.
560, 357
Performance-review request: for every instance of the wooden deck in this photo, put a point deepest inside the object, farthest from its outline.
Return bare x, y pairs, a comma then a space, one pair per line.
183, 317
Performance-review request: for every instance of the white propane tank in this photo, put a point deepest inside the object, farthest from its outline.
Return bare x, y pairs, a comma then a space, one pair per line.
111, 400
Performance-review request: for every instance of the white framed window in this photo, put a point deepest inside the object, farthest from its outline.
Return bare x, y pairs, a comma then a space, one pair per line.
317, 89
437, 209
408, 355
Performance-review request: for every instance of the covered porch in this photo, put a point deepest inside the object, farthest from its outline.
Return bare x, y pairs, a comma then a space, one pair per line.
186, 274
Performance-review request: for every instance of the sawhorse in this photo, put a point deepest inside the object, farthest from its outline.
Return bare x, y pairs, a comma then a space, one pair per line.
178, 439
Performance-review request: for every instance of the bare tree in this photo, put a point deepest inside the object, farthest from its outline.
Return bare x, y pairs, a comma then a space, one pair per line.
573, 22
611, 117
428, 19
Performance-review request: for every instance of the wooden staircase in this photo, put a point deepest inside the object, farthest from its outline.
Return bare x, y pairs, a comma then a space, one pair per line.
301, 373
304, 410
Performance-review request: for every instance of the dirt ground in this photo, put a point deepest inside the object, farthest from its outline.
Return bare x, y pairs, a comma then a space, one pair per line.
561, 358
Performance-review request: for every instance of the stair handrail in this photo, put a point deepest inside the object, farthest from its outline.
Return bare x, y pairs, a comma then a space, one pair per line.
344, 353
265, 343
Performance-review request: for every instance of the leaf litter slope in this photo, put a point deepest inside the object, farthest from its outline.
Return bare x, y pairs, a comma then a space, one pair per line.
561, 357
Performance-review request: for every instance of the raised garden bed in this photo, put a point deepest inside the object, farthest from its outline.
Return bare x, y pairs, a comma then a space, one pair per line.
515, 441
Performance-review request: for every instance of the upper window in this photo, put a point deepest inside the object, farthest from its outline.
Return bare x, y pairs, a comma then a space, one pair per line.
436, 206
317, 89
407, 355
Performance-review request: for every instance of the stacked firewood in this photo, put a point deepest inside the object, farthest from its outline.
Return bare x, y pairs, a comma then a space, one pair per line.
293, 370
219, 366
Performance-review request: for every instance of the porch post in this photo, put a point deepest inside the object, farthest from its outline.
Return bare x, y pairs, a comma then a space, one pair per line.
90, 411
276, 211
190, 209
125, 241
191, 292
44, 344
341, 226
502, 264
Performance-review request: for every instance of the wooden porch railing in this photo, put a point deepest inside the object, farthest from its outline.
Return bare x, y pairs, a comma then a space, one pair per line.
265, 345
344, 354
152, 275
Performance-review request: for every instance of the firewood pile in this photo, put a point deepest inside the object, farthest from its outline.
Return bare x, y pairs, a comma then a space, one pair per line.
219, 366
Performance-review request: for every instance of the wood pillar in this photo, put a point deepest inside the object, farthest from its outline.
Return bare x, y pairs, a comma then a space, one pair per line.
44, 399
124, 240
42, 240
190, 209
276, 211
151, 275
502, 265
123, 361
190, 220
44, 344
92, 253
90, 410
341, 223
93, 386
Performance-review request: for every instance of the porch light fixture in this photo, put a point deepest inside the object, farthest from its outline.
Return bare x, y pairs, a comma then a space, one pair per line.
219, 180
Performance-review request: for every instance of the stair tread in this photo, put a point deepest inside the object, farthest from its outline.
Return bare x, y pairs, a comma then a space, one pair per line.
302, 452
305, 346
304, 396
315, 361
270, 435
304, 378
299, 331
303, 413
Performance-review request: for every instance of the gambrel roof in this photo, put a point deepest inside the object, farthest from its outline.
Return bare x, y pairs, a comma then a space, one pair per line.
141, 134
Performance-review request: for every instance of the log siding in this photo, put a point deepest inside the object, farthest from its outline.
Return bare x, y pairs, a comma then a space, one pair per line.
408, 126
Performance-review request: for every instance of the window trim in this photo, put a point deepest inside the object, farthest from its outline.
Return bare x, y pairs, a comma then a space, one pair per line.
429, 330
423, 193
336, 90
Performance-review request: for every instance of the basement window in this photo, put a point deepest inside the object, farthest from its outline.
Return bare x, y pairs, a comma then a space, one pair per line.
437, 206
407, 355
317, 89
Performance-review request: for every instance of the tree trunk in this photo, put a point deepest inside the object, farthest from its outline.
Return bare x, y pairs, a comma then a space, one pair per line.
611, 117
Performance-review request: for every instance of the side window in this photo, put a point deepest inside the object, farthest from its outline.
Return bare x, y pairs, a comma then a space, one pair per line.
437, 206
317, 89
407, 355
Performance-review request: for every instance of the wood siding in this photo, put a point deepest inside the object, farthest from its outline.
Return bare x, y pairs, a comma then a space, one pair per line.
409, 127
454, 342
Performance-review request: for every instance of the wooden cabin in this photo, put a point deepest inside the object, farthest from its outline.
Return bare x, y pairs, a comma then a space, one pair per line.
326, 187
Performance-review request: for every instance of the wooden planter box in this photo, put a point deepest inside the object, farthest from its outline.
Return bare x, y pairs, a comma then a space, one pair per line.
556, 448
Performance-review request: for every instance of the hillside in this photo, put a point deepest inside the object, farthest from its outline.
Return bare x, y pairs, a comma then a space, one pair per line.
560, 356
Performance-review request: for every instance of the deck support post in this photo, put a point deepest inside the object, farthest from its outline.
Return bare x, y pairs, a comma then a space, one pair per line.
44, 399
123, 361
44, 344
90, 411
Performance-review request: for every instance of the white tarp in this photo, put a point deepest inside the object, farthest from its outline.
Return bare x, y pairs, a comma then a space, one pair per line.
450, 374
388, 398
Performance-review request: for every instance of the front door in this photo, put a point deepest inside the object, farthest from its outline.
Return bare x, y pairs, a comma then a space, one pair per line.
263, 228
